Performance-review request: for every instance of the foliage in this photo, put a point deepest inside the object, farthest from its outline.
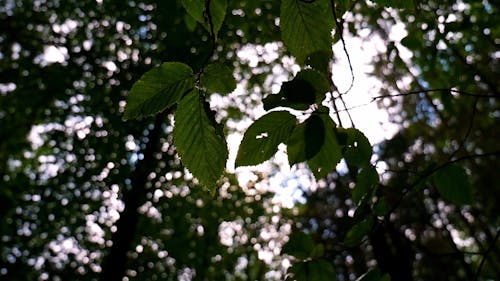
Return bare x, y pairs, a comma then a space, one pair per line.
106, 153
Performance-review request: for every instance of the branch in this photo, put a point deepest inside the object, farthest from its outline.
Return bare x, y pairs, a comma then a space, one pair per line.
208, 17
469, 129
416, 93
488, 251
340, 28
432, 171
434, 90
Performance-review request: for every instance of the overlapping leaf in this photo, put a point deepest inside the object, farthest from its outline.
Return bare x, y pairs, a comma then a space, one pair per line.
330, 152
300, 245
366, 181
307, 88
306, 27
357, 150
199, 142
158, 89
314, 270
198, 10
218, 78
262, 138
358, 231
306, 140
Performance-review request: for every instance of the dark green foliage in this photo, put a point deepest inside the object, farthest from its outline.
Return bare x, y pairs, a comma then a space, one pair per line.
85, 195
453, 184
200, 145
307, 88
262, 138
306, 27
218, 78
159, 89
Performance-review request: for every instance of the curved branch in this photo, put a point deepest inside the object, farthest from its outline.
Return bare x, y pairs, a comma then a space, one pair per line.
339, 25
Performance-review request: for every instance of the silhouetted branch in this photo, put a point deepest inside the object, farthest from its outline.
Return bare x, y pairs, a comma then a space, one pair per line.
483, 260
340, 28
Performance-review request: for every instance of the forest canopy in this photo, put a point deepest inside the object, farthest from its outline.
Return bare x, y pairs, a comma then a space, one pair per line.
224, 140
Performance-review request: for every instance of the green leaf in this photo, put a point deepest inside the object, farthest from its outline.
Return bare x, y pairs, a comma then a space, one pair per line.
306, 27
300, 245
262, 138
357, 150
307, 88
320, 60
199, 141
453, 184
358, 231
366, 180
330, 152
381, 207
297, 272
190, 22
158, 89
306, 140
318, 251
314, 270
218, 78
217, 11
195, 8
321, 270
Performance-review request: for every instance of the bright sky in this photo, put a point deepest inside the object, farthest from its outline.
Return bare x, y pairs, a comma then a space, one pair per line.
367, 117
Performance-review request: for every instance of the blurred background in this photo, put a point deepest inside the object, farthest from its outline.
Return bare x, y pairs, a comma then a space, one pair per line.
85, 195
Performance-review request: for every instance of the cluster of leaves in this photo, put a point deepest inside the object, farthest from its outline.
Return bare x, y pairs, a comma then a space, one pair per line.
438, 181
306, 29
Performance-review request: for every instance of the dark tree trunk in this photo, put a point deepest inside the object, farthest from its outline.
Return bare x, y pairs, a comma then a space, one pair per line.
114, 264
392, 252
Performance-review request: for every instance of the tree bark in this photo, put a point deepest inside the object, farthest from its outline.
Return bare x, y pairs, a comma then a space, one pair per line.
114, 264
393, 254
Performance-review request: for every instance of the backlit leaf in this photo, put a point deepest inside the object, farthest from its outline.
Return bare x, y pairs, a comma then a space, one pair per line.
330, 153
199, 142
300, 245
366, 180
217, 11
381, 207
320, 60
306, 27
262, 138
358, 231
357, 150
218, 78
306, 140
307, 88
195, 8
453, 184
158, 89
313, 270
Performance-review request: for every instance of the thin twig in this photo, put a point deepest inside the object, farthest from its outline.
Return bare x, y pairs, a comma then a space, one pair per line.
469, 129
435, 90
340, 28
208, 17
483, 260
416, 93
432, 171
